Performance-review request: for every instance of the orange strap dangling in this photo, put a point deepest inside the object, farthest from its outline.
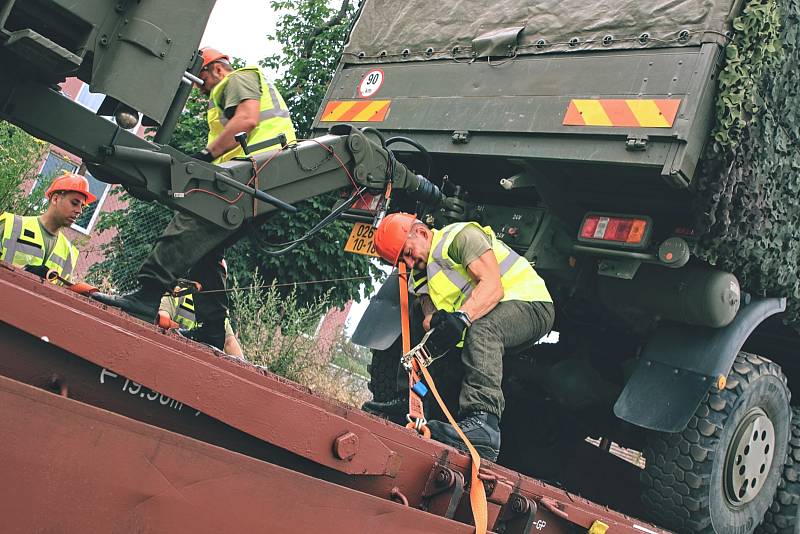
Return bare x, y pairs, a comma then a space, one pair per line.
416, 414
477, 492
416, 411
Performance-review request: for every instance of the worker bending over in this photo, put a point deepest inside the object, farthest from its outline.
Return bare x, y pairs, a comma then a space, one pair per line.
37, 243
241, 101
478, 294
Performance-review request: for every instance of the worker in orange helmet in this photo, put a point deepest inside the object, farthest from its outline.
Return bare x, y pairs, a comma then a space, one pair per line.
477, 295
37, 243
242, 100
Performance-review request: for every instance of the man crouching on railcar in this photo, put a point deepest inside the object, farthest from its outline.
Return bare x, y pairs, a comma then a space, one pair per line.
478, 295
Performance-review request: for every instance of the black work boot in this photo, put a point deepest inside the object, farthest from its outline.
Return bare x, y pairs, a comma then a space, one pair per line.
141, 303
204, 334
394, 410
481, 428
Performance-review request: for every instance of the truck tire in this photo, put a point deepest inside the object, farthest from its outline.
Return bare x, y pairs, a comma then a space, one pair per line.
782, 516
722, 472
383, 373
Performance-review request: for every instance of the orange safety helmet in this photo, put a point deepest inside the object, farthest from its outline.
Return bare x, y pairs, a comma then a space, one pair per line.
69, 181
211, 55
392, 234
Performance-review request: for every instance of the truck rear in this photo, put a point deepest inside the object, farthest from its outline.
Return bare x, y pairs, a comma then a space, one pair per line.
638, 154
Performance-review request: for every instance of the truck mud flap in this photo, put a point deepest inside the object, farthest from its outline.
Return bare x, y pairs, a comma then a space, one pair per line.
380, 325
681, 363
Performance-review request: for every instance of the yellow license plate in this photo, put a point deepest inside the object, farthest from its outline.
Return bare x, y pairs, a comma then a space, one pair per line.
360, 240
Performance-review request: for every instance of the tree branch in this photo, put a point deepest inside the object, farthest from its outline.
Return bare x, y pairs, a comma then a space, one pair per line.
311, 40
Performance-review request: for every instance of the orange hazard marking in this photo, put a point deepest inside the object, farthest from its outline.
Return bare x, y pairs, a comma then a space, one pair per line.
632, 113
355, 110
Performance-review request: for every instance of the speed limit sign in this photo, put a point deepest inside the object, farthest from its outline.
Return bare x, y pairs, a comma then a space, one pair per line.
370, 84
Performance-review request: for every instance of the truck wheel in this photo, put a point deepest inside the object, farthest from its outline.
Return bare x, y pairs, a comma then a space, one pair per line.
721, 473
783, 517
383, 373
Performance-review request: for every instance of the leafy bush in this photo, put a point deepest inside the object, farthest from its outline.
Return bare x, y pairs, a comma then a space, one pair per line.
278, 333
20, 154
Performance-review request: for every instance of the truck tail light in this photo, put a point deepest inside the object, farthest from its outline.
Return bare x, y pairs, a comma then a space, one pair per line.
615, 229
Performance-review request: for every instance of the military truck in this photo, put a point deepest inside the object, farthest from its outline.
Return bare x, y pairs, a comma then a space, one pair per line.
640, 154
582, 135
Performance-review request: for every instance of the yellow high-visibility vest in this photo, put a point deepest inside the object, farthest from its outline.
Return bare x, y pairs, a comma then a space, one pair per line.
184, 311
449, 284
23, 244
273, 119
418, 282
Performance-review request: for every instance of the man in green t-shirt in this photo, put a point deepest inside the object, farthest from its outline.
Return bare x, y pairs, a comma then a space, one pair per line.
479, 295
242, 101
37, 243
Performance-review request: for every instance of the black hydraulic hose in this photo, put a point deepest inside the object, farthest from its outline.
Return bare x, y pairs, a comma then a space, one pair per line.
377, 133
326, 221
422, 149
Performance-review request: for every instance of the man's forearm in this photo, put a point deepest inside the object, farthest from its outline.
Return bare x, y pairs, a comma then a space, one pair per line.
226, 142
428, 309
483, 299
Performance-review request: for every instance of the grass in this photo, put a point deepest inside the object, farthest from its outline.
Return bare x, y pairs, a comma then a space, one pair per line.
278, 333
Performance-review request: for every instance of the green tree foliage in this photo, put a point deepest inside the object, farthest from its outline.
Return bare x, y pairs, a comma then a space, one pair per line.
20, 155
312, 36
191, 132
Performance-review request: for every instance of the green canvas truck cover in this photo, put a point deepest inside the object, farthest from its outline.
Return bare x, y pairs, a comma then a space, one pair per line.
417, 29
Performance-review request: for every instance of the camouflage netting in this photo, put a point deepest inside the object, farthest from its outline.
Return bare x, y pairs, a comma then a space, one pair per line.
748, 190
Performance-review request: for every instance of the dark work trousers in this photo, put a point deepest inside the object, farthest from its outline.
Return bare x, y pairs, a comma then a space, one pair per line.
475, 376
192, 248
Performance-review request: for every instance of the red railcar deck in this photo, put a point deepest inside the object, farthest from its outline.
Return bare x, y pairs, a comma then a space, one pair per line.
113, 425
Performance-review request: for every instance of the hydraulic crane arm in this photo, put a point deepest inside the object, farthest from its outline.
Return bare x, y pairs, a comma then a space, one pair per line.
221, 194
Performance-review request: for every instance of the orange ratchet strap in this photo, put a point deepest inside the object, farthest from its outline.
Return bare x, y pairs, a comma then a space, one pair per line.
477, 493
415, 361
416, 411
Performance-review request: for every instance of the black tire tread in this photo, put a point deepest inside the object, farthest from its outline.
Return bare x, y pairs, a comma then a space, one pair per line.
781, 518
383, 373
678, 466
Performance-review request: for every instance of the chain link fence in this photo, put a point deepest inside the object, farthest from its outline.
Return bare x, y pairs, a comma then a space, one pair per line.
127, 236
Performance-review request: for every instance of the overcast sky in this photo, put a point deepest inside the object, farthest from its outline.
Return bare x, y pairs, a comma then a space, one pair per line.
240, 28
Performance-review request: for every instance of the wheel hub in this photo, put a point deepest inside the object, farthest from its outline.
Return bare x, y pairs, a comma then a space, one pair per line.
749, 457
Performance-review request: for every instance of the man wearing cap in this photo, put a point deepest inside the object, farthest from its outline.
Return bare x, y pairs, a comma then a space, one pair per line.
37, 243
240, 100
477, 294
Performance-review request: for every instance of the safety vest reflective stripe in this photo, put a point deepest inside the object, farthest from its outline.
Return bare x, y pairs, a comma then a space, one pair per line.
65, 263
23, 244
273, 117
265, 114
184, 311
418, 282
450, 284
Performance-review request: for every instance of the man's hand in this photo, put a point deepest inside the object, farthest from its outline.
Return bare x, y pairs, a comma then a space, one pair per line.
448, 329
203, 155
